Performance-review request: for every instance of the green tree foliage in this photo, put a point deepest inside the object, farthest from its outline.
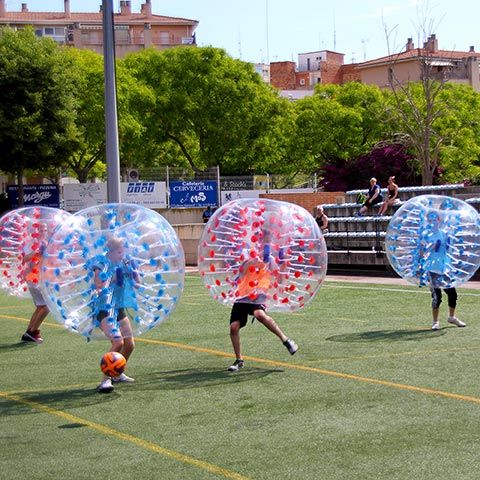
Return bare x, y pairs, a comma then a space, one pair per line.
87, 161
339, 122
460, 129
37, 108
210, 109
442, 121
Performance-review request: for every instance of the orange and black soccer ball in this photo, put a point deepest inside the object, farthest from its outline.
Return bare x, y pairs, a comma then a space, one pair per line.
113, 364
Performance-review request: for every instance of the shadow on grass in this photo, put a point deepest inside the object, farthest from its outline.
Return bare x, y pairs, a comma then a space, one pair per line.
5, 347
55, 399
72, 425
199, 377
389, 336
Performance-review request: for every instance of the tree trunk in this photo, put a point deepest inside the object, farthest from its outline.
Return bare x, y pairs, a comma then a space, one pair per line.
21, 198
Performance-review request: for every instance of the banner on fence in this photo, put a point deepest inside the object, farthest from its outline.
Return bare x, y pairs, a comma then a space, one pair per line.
35, 195
236, 183
237, 194
78, 196
193, 194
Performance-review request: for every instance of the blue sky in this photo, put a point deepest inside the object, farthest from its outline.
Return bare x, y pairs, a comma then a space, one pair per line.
353, 27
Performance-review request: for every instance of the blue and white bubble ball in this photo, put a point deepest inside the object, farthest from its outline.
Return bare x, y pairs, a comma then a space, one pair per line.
434, 240
112, 259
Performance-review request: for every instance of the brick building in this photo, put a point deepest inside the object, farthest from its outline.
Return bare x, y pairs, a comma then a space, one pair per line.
325, 66
133, 31
313, 67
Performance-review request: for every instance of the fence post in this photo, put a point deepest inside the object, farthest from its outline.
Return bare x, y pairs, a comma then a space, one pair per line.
168, 187
268, 183
219, 195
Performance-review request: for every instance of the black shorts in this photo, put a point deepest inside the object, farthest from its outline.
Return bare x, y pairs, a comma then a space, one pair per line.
375, 201
241, 311
437, 297
121, 313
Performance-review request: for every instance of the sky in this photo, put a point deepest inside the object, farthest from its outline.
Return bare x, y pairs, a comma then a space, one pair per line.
278, 30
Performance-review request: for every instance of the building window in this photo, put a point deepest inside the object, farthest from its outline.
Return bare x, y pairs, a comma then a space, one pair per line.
55, 33
308, 64
164, 38
122, 37
302, 82
390, 75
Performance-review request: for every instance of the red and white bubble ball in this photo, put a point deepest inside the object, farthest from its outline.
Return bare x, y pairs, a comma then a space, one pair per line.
262, 251
24, 235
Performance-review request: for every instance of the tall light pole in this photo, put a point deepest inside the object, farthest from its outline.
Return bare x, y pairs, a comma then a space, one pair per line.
111, 117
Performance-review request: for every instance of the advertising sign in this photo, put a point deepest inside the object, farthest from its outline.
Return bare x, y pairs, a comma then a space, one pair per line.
35, 195
78, 196
193, 194
236, 183
238, 194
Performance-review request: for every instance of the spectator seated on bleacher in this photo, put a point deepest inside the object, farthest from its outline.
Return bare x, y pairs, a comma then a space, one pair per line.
321, 219
392, 195
374, 197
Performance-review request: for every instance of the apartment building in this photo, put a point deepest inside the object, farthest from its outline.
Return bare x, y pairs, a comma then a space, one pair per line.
313, 67
134, 31
407, 66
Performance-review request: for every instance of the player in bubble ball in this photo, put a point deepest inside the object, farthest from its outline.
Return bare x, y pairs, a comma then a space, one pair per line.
32, 261
435, 244
115, 279
255, 274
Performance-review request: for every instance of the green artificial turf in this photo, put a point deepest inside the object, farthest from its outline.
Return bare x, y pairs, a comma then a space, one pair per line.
372, 393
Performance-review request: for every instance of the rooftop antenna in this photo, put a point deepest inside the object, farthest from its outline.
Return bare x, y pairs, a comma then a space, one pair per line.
364, 46
239, 45
266, 15
334, 33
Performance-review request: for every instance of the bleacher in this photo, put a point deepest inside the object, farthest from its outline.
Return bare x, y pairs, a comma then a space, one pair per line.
360, 241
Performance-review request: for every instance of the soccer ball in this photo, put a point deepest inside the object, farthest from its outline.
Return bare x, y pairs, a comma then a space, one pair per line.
113, 364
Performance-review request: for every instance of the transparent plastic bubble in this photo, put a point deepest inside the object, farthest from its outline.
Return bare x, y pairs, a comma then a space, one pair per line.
262, 251
24, 234
434, 240
110, 260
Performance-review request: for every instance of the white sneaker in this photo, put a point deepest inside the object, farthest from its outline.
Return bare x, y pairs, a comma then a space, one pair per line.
456, 321
292, 347
236, 366
122, 378
105, 386
436, 326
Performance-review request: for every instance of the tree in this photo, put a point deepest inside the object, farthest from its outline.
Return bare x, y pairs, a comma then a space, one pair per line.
338, 124
384, 160
210, 110
37, 108
460, 130
423, 110
88, 159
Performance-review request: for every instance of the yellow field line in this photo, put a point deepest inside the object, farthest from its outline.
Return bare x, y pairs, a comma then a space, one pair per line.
305, 368
399, 354
330, 373
145, 444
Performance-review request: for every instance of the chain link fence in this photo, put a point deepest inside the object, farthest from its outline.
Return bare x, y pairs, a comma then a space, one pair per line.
226, 182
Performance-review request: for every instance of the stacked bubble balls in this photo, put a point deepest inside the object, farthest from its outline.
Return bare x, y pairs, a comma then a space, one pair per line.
110, 259
434, 240
262, 251
24, 234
